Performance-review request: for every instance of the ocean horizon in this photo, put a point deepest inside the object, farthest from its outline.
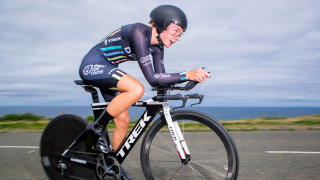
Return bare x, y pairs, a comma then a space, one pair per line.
219, 113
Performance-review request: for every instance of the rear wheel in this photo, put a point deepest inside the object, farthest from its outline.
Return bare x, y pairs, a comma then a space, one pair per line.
213, 152
57, 136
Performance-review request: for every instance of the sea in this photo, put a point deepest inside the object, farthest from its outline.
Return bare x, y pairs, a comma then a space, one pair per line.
219, 113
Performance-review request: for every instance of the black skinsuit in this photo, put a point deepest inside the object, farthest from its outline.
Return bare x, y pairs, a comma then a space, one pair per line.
127, 43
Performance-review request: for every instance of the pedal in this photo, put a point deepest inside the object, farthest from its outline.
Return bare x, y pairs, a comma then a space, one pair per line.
108, 168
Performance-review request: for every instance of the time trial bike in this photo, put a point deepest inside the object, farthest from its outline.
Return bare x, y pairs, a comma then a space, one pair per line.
180, 144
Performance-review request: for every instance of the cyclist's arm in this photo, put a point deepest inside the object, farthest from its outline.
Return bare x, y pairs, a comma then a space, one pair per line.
140, 45
157, 56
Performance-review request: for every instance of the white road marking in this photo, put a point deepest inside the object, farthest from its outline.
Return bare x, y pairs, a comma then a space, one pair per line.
21, 147
292, 152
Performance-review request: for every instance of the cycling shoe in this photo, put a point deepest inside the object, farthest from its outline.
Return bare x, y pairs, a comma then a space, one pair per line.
98, 135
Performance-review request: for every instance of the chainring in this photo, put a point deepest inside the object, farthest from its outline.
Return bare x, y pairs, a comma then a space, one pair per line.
108, 168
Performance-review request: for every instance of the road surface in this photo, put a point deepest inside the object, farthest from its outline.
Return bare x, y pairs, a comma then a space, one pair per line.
264, 155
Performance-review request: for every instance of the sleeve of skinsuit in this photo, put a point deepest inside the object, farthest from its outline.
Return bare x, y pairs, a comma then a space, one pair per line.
157, 56
139, 43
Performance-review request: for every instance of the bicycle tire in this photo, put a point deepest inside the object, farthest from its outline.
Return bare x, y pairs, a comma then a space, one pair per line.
215, 158
56, 137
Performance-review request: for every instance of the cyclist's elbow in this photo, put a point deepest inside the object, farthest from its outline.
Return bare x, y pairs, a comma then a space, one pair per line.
154, 82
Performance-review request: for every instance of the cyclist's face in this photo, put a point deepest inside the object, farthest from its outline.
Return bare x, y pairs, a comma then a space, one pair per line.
171, 35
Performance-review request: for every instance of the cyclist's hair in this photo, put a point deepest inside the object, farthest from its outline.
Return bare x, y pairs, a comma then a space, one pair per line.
151, 23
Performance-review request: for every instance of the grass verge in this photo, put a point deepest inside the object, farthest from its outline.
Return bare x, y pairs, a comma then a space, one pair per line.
33, 122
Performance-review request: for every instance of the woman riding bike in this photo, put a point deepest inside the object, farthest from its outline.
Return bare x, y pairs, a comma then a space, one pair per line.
133, 42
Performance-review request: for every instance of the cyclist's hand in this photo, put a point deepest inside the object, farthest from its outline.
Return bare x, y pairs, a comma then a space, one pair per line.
199, 75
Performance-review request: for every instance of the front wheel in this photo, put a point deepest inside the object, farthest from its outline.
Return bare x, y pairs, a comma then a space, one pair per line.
213, 151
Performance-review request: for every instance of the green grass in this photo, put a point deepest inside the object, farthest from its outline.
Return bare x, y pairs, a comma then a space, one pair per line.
273, 118
306, 122
29, 121
274, 123
21, 117
24, 125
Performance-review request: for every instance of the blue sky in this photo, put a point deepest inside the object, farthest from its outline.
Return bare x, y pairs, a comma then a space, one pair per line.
260, 53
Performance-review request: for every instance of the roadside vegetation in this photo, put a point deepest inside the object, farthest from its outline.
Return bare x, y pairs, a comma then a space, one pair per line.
275, 123
29, 121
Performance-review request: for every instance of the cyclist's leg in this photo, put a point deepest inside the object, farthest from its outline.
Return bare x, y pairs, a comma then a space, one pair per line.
105, 76
131, 91
108, 77
122, 122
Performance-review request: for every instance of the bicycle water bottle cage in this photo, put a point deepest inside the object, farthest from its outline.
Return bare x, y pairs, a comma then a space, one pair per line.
89, 88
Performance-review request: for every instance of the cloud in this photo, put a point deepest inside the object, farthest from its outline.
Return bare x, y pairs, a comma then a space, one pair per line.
258, 52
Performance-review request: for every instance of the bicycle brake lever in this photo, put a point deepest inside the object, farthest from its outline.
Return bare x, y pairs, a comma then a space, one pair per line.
200, 100
184, 101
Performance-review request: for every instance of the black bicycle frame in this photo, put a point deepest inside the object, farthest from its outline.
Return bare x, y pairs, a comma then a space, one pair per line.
151, 111
154, 106
137, 131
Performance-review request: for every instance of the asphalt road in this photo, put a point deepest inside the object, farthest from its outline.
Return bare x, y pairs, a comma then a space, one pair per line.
262, 156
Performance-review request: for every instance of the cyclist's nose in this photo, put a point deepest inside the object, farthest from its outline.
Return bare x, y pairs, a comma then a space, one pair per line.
176, 38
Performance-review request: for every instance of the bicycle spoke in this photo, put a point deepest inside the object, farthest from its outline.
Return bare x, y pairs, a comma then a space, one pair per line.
214, 171
160, 149
176, 172
206, 138
195, 171
160, 159
165, 141
212, 161
194, 174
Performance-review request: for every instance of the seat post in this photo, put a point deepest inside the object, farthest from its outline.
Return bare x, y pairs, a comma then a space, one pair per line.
89, 88
94, 93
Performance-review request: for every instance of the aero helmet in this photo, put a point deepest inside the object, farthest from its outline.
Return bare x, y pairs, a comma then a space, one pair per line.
164, 15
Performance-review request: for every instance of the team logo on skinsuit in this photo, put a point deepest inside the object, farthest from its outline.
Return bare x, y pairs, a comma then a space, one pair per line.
145, 60
114, 39
93, 70
87, 69
161, 75
128, 50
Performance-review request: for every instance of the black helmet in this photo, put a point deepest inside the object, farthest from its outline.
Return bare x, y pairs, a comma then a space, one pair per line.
164, 15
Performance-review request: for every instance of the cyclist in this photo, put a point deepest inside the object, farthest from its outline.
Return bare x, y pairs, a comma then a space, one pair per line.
133, 42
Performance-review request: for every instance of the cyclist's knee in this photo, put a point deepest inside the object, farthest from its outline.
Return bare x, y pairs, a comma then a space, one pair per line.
122, 121
138, 91
132, 86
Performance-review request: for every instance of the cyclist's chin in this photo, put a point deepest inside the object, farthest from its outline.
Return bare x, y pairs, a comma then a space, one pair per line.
167, 44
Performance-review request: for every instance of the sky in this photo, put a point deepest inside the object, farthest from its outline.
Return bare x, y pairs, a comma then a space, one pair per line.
259, 53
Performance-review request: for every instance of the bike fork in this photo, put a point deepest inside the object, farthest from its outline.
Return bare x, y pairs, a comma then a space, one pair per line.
177, 136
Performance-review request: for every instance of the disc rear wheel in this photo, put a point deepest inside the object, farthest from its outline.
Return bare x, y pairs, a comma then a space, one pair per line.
57, 136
